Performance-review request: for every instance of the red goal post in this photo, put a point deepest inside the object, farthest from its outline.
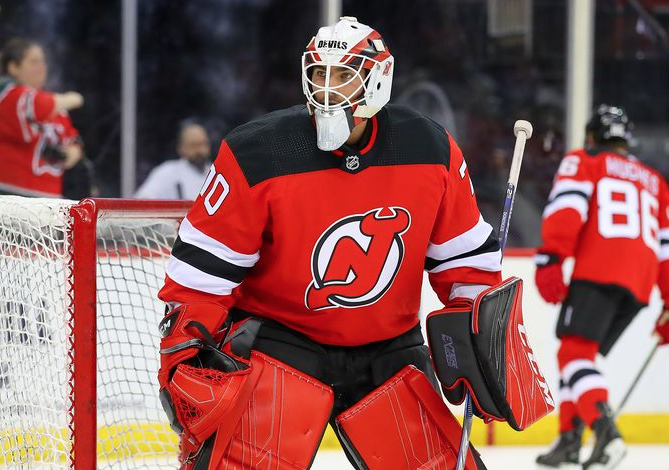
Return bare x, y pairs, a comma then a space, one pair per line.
78, 332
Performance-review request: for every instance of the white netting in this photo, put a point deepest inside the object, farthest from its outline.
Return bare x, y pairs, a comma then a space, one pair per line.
131, 269
35, 306
34, 260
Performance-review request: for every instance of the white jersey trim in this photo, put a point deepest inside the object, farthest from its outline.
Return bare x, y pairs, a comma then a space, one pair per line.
189, 234
490, 261
568, 201
469, 291
663, 236
463, 243
22, 114
663, 255
188, 276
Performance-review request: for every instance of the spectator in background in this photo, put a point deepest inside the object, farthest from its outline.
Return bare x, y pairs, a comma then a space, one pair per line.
37, 139
181, 178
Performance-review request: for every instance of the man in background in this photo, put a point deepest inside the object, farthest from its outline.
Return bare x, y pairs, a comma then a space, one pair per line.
181, 178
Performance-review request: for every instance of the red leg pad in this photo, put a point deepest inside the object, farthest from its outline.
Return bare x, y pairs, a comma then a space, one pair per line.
404, 425
283, 423
208, 401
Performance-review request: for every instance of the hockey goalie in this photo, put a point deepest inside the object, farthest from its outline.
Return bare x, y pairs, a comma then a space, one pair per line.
293, 288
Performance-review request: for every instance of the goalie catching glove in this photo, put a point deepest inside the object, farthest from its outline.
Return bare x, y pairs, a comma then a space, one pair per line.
482, 346
205, 374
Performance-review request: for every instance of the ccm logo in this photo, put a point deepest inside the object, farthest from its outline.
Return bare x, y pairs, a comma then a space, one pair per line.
541, 382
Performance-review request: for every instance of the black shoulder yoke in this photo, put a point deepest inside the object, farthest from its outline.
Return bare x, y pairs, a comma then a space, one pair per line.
278, 144
284, 143
411, 138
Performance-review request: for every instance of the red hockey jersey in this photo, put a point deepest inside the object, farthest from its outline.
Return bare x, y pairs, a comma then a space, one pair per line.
29, 122
610, 212
330, 244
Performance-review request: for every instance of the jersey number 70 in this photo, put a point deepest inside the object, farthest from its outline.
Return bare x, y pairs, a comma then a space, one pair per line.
217, 191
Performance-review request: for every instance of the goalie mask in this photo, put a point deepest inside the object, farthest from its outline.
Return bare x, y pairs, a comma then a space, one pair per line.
351, 47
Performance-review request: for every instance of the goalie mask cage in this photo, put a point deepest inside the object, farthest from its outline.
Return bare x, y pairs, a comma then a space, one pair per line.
79, 334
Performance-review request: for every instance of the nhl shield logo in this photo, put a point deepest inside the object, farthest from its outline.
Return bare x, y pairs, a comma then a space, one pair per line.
352, 162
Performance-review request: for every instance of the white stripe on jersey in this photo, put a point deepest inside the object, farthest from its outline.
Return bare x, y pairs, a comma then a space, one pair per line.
663, 235
562, 186
30, 106
468, 291
490, 261
664, 252
587, 383
189, 234
568, 201
188, 276
464, 243
574, 366
21, 113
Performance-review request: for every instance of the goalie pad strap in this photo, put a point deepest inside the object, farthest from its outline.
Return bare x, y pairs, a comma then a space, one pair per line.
487, 351
403, 425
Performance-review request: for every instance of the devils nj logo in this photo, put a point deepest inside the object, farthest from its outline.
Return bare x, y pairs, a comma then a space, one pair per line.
356, 260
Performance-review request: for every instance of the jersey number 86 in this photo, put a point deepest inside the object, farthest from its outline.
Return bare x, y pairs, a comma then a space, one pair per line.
625, 212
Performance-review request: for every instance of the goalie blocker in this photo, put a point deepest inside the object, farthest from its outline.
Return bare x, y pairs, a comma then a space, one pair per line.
482, 346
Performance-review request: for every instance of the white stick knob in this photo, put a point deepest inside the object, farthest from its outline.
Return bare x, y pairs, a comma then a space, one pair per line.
524, 126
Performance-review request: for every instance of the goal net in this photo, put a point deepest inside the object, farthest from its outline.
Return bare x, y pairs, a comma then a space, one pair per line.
79, 333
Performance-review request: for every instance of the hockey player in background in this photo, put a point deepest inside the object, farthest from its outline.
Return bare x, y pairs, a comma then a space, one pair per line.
608, 211
293, 288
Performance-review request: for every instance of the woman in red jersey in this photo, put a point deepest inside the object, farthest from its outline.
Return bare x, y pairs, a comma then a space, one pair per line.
37, 138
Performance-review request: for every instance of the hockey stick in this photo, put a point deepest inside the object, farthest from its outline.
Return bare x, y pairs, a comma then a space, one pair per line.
523, 131
636, 379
